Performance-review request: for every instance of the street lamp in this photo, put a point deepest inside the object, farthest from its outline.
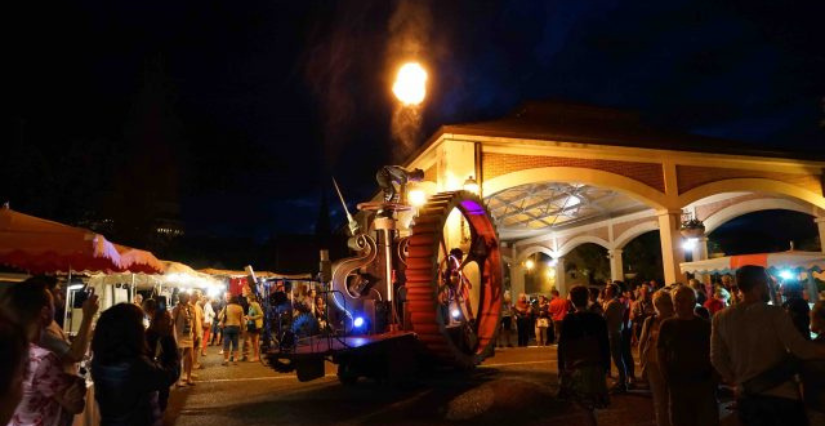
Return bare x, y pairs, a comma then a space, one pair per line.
471, 185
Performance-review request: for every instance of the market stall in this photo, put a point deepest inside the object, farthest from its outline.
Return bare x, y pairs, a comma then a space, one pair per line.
801, 265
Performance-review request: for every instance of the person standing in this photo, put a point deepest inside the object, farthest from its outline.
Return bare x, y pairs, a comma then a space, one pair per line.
813, 373
750, 344
506, 320
542, 321
718, 302
797, 307
254, 323
232, 320
584, 356
649, 356
684, 360
627, 334
208, 319
558, 309
594, 304
614, 312
184, 322
641, 309
701, 295
217, 328
522, 311
160, 339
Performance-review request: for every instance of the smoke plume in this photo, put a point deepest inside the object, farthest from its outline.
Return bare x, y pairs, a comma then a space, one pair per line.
409, 38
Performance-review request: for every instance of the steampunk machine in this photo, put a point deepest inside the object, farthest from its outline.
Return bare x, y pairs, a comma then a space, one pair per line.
423, 288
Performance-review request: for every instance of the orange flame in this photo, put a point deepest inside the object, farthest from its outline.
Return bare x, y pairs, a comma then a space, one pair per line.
410, 84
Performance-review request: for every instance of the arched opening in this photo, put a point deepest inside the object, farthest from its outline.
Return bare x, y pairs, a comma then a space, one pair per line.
642, 258
767, 231
539, 274
587, 264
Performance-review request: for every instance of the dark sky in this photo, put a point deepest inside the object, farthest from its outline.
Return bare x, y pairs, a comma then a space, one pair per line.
242, 110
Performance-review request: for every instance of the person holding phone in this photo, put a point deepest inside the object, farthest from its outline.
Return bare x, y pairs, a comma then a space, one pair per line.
71, 353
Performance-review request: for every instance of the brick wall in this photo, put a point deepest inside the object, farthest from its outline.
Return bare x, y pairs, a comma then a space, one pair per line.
495, 164
621, 228
707, 210
690, 177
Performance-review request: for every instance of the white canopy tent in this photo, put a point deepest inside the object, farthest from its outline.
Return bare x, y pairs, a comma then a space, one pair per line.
803, 265
175, 275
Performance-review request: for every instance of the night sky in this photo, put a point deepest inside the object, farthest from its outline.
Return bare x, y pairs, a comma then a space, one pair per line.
240, 111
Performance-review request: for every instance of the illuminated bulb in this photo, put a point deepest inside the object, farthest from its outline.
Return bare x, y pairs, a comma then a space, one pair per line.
689, 244
358, 322
471, 185
410, 84
529, 264
455, 313
786, 274
417, 197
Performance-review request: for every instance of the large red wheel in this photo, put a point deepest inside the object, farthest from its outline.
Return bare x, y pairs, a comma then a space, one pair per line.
426, 250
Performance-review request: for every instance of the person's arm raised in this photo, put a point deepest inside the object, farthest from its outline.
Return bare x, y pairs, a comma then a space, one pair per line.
80, 344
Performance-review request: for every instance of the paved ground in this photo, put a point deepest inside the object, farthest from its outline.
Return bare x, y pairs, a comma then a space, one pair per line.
516, 387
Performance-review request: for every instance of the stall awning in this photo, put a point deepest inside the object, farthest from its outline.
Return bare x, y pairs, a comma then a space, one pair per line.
259, 274
789, 260
42, 246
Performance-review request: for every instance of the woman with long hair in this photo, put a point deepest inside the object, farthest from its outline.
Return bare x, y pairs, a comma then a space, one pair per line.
127, 380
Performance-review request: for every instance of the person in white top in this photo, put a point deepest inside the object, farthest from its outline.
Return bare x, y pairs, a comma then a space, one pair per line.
750, 345
208, 319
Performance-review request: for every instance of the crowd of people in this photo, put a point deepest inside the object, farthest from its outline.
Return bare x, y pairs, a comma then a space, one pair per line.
688, 349
691, 342
135, 354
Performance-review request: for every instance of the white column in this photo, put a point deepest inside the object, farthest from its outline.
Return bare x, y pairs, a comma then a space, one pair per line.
516, 281
616, 264
561, 286
820, 223
670, 221
700, 252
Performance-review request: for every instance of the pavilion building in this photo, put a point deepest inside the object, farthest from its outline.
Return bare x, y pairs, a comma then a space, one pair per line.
556, 176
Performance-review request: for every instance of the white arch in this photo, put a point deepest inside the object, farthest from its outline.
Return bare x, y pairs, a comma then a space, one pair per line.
625, 185
568, 246
752, 185
531, 250
731, 212
635, 231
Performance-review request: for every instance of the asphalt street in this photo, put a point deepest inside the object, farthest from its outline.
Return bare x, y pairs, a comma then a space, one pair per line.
516, 387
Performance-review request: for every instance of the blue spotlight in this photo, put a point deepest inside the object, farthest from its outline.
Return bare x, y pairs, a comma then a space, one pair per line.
358, 322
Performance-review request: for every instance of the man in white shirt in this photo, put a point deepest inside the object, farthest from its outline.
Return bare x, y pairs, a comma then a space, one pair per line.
750, 343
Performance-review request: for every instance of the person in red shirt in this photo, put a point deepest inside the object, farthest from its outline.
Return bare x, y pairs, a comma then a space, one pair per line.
718, 302
558, 309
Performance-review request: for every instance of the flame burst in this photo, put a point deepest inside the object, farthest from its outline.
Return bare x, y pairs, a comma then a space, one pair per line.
410, 84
